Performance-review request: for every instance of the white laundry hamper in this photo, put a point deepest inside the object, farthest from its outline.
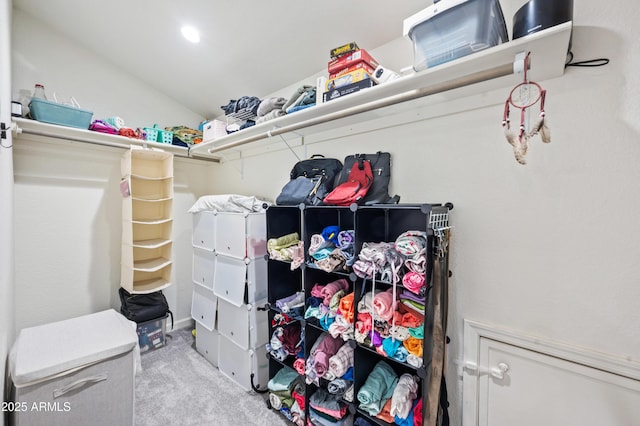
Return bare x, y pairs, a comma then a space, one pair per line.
75, 372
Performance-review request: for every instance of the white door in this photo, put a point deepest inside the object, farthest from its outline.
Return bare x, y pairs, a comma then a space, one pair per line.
509, 385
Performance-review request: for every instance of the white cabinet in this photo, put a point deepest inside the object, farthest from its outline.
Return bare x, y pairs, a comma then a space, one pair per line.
245, 367
204, 230
241, 235
230, 285
204, 307
240, 281
208, 343
147, 218
203, 267
244, 325
517, 379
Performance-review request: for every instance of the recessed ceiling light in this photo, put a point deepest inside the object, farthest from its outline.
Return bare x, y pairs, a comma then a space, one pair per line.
190, 34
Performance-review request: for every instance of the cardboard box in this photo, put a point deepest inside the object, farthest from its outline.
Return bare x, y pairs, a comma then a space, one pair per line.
357, 66
343, 50
346, 90
346, 61
345, 79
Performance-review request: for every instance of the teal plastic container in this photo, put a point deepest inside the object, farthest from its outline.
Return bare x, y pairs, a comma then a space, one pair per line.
63, 115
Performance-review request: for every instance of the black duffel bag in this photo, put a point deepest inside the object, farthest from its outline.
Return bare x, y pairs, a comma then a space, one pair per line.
381, 168
310, 181
144, 307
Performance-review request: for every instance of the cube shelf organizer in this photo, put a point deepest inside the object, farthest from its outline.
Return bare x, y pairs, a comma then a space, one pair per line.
229, 293
147, 218
337, 314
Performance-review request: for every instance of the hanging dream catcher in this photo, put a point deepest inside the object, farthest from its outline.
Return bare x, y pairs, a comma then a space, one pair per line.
522, 97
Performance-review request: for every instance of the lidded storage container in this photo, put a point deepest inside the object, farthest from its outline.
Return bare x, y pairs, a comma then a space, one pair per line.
451, 29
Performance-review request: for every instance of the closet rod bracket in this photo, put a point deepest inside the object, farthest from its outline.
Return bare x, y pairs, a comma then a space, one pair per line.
11, 127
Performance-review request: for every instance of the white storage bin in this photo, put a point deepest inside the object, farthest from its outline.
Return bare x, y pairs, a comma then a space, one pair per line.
451, 29
203, 267
241, 235
207, 343
244, 325
83, 368
239, 364
203, 232
204, 307
235, 277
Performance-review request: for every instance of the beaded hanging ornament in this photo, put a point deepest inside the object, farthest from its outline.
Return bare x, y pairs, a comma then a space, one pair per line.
523, 96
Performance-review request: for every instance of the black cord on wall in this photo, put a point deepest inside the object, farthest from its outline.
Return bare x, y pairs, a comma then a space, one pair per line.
587, 63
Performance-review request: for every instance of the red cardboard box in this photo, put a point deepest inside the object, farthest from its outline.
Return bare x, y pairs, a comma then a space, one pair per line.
357, 66
346, 61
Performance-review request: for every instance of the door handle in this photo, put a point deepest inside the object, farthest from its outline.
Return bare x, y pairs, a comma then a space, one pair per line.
496, 372
499, 370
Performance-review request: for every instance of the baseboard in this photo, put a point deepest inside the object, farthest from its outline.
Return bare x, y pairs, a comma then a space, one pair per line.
180, 324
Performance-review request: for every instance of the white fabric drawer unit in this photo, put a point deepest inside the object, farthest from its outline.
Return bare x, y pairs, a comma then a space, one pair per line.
233, 277
75, 372
239, 364
244, 325
204, 307
202, 234
207, 343
203, 266
241, 235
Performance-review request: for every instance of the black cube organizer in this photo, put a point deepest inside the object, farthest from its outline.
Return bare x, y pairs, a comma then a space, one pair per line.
370, 224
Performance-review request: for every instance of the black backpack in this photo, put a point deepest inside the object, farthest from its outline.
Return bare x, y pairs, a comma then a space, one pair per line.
310, 181
144, 307
381, 168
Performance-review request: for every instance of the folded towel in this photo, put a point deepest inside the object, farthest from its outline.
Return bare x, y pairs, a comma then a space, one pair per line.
270, 104
403, 395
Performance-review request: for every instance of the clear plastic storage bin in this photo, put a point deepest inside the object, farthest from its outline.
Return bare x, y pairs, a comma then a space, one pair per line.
451, 29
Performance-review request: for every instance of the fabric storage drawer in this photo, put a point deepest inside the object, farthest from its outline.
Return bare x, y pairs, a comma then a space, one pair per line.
240, 281
241, 235
239, 364
203, 267
207, 343
204, 230
204, 307
451, 29
245, 325
82, 369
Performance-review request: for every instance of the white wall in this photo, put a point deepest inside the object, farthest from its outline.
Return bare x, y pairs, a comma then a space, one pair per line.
42, 55
67, 200
549, 248
6, 194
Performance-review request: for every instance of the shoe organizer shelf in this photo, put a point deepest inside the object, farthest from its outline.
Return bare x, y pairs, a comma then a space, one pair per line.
147, 219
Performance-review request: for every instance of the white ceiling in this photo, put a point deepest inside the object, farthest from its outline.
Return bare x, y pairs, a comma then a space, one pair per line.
247, 48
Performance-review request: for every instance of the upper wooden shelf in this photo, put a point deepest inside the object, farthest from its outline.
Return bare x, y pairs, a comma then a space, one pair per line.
436, 92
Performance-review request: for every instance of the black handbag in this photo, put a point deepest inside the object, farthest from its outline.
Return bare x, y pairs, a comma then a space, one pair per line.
144, 307
381, 168
310, 181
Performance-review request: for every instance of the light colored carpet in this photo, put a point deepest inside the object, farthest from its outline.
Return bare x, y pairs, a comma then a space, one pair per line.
178, 386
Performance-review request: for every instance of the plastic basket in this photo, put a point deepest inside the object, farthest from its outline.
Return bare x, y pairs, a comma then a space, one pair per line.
63, 115
156, 134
